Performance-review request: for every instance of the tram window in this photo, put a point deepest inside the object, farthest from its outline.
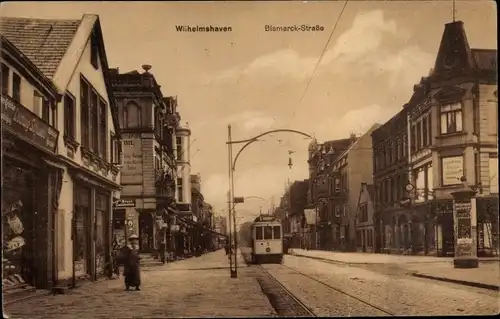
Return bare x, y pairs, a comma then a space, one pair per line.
277, 232
258, 233
268, 232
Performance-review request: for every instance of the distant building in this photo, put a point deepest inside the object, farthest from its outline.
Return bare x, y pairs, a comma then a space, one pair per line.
365, 230
147, 125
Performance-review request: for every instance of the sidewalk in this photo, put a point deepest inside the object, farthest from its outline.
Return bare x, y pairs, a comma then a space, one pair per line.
438, 268
195, 287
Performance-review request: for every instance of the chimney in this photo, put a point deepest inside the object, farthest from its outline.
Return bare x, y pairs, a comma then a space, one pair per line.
146, 67
114, 71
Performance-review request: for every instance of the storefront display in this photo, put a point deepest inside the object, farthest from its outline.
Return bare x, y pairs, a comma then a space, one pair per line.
101, 215
17, 225
82, 254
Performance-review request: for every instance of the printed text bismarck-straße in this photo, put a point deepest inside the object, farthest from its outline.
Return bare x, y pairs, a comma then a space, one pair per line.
293, 28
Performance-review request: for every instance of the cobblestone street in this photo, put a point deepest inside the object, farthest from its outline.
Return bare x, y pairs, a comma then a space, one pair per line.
188, 288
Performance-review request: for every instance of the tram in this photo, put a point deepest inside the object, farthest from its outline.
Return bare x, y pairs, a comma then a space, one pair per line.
267, 240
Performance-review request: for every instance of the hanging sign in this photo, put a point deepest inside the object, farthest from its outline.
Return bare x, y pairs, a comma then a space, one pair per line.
122, 203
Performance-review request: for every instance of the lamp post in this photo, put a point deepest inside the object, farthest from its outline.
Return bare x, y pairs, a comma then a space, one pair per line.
232, 164
465, 225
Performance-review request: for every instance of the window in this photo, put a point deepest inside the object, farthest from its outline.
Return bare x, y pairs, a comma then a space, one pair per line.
451, 118
103, 133
419, 135
258, 233
425, 134
115, 149
178, 142
430, 181
157, 162
179, 189
45, 110
420, 188
37, 103
94, 53
413, 141
69, 116
16, 87
276, 232
132, 115
337, 211
268, 232
493, 175
84, 116
5, 79
94, 123
404, 145
337, 184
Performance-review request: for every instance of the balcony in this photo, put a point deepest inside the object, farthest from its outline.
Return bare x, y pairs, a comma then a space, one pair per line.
25, 124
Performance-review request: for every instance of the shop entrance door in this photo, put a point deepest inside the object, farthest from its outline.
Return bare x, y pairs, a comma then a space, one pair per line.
146, 233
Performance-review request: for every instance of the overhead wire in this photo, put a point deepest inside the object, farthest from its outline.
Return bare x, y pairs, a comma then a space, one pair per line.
318, 62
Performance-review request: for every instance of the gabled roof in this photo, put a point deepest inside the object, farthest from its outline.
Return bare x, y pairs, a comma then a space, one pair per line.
56, 46
486, 59
37, 73
43, 41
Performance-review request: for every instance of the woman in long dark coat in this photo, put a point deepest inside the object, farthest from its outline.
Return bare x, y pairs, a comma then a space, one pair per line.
129, 257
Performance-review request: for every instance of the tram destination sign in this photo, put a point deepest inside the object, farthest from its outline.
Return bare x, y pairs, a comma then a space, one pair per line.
124, 203
23, 123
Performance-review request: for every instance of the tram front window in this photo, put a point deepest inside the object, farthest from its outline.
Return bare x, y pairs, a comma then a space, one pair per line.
268, 232
258, 233
277, 232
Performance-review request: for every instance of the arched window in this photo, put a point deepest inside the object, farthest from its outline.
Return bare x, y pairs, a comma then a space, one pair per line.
132, 115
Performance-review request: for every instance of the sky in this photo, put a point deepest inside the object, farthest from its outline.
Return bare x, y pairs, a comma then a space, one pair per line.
255, 80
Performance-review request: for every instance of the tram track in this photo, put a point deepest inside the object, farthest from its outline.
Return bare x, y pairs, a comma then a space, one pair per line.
367, 303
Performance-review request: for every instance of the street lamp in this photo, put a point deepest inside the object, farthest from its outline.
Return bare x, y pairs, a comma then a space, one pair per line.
232, 165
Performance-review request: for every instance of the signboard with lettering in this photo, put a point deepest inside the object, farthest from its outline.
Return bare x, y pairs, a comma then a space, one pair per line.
26, 124
122, 203
453, 170
132, 172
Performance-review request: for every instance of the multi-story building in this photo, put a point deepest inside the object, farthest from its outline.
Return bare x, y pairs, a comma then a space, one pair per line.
451, 132
390, 176
29, 184
365, 228
220, 227
72, 55
297, 202
207, 227
452, 121
323, 195
147, 124
197, 201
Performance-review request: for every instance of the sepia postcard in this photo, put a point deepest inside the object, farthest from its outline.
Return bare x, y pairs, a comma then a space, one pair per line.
222, 159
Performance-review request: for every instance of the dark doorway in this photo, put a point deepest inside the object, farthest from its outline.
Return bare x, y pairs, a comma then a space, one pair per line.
146, 233
448, 235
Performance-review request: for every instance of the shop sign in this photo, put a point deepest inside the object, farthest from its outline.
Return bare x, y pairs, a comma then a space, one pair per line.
132, 173
453, 170
24, 123
122, 203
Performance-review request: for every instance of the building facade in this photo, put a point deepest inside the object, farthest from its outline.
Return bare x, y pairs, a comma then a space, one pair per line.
390, 176
147, 126
87, 149
365, 228
30, 186
323, 195
451, 133
297, 203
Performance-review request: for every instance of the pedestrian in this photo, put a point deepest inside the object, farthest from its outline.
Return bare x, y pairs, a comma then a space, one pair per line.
161, 251
129, 257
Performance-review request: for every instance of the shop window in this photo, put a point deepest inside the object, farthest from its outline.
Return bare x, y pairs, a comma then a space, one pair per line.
451, 118
82, 232
16, 87
268, 232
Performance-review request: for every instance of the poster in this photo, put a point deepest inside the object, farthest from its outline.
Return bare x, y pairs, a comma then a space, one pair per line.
132, 172
453, 170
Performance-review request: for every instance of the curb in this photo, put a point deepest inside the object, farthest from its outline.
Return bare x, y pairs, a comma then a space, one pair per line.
457, 281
